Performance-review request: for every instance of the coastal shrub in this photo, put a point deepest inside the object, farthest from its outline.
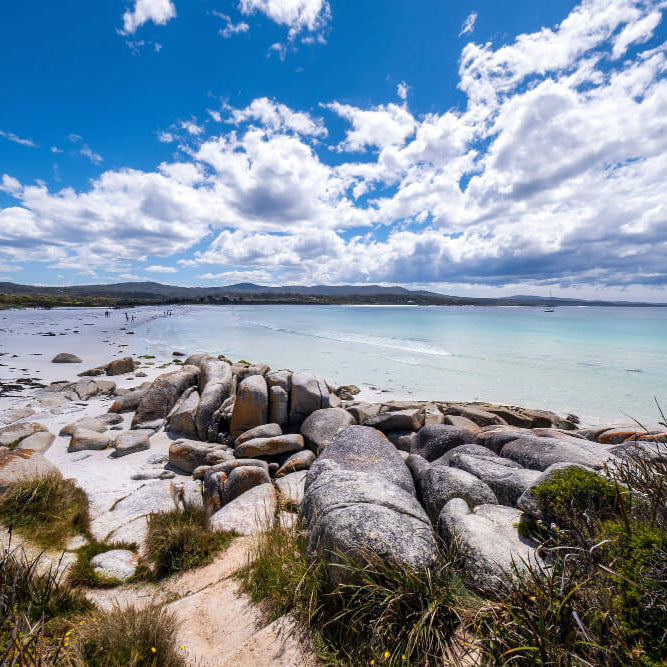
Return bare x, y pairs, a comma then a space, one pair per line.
127, 636
33, 598
391, 613
82, 573
573, 493
603, 597
182, 539
48, 509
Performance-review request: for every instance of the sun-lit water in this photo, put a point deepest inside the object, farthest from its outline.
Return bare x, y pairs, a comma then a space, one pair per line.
597, 363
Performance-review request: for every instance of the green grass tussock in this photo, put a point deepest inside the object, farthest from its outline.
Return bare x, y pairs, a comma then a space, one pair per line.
126, 636
48, 510
82, 573
182, 539
391, 614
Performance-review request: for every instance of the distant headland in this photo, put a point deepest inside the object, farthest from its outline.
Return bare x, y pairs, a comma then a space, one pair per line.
13, 295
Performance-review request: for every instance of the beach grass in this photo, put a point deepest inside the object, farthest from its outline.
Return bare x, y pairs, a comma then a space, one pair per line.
82, 574
182, 539
48, 510
387, 613
128, 636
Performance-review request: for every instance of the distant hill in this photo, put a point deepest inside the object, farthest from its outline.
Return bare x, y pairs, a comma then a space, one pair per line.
147, 293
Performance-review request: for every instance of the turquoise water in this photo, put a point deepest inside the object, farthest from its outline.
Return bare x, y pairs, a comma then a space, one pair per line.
597, 363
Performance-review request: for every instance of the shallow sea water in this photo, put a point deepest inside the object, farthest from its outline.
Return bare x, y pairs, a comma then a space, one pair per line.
598, 363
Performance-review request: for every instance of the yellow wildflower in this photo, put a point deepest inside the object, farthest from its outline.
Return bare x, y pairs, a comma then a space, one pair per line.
153, 649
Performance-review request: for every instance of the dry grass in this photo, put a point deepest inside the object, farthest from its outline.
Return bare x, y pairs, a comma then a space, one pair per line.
124, 636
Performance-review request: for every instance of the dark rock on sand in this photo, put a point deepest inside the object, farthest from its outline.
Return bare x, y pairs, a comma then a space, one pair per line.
66, 358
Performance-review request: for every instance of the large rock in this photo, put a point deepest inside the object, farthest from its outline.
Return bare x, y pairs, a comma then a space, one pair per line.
264, 431
320, 427
291, 489
251, 513
489, 543
87, 388
131, 442
243, 479
120, 366
309, 393
252, 405
269, 446
187, 455
437, 485
505, 478
298, 461
66, 358
476, 414
279, 383
117, 564
540, 453
359, 496
410, 419
472, 450
183, 416
163, 394
23, 464
23, 434
215, 384
434, 441
83, 440
496, 439
129, 401
90, 423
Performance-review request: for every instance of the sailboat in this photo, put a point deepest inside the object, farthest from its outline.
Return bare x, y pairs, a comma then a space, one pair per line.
550, 309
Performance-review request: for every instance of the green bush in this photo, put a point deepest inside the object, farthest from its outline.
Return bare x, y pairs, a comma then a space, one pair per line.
48, 509
391, 613
182, 539
572, 491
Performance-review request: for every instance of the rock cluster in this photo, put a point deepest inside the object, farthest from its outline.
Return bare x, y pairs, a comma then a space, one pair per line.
389, 478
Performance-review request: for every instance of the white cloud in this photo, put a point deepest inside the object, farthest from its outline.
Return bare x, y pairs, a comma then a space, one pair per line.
553, 173
402, 90
157, 268
469, 24
278, 117
55, 149
159, 12
215, 115
94, 157
230, 28
297, 15
165, 137
380, 127
10, 136
192, 128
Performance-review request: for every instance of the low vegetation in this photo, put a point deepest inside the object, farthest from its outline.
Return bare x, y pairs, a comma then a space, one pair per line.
599, 599
388, 613
48, 510
127, 636
602, 598
82, 573
182, 539
35, 605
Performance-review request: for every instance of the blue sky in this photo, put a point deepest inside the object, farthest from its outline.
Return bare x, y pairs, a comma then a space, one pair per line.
471, 147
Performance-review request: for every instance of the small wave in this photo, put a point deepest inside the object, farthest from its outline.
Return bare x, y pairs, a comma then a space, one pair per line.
402, 344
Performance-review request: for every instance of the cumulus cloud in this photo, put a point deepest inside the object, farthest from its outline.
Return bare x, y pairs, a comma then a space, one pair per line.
297, 15
159, 12
553, 173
